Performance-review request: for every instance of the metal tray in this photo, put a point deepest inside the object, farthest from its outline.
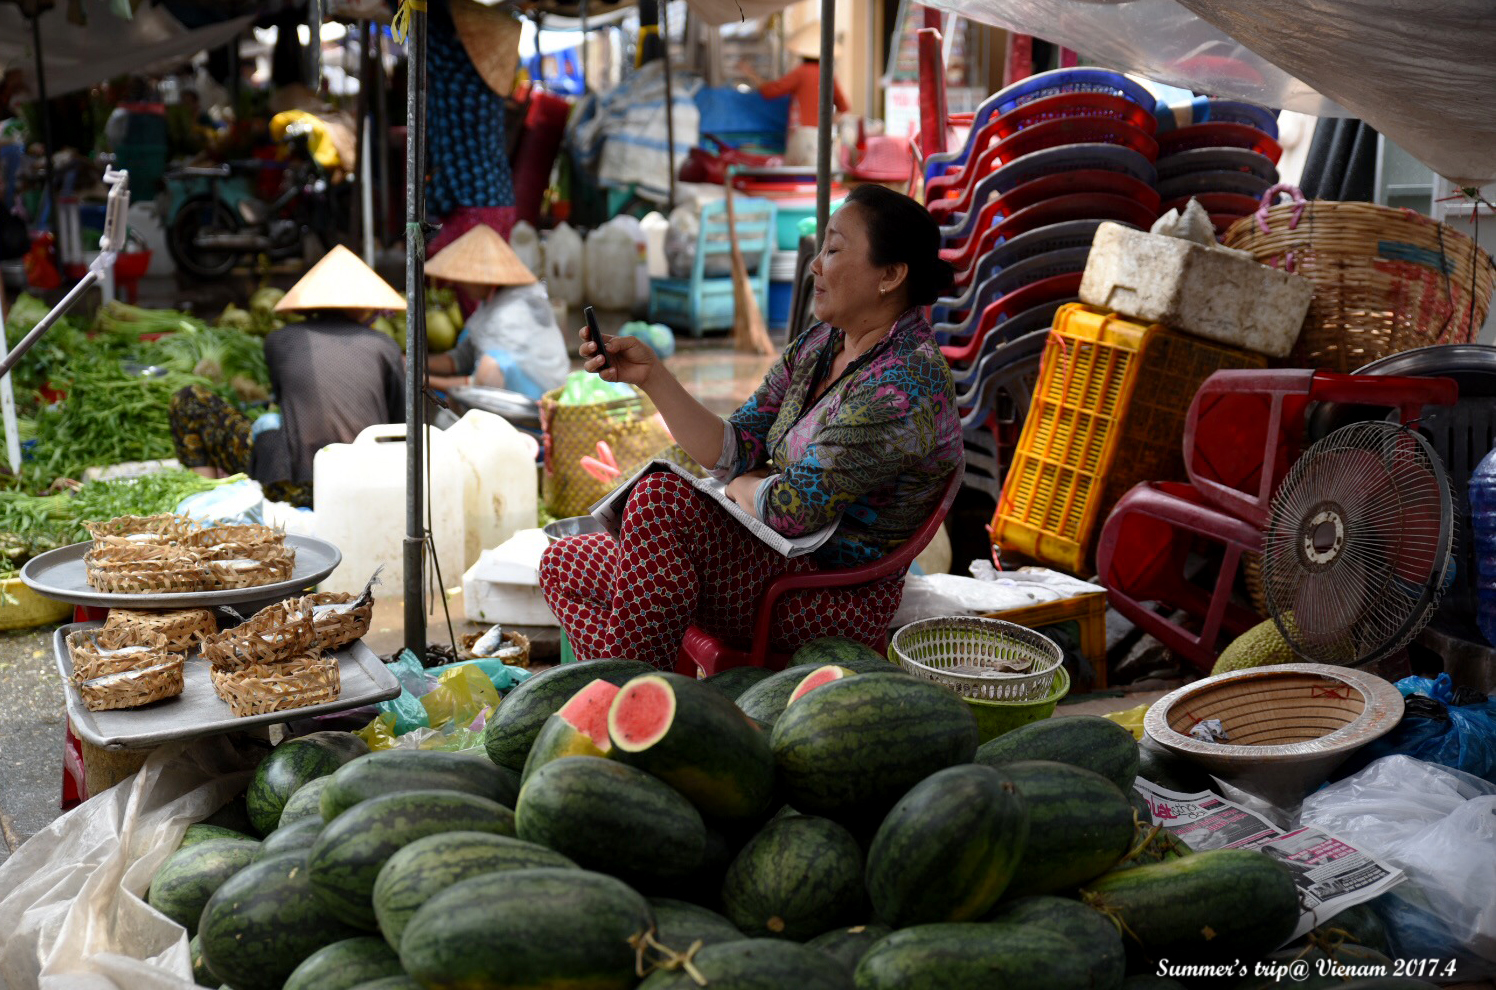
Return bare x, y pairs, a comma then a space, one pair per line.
198, 711
61, 575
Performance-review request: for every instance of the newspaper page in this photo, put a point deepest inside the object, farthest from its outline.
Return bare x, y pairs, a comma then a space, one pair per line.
1331, 874
609, 511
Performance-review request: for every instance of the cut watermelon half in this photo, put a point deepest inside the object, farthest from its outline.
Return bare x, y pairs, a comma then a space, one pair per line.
815, 679
587, 712
642, 713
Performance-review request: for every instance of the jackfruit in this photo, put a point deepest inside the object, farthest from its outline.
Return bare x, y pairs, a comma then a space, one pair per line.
1261, 646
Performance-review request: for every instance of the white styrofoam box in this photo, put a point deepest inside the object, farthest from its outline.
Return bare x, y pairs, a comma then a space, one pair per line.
504, 585
1212, 292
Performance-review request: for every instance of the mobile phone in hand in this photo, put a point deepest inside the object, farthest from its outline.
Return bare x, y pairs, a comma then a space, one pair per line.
595, 335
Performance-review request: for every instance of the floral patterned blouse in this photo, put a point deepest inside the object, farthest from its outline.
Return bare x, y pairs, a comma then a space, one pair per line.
875, 451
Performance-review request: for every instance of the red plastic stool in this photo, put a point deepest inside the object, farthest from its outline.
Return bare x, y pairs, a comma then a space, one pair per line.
1245, 429
1145, 546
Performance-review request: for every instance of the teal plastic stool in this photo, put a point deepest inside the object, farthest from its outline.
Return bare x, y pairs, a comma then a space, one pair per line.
566, 655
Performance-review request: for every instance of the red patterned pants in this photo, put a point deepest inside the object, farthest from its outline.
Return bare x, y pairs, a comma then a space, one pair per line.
681, 559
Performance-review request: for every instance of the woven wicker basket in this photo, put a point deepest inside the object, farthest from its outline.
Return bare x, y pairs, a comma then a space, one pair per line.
519, 641
183, 628
119, 566
1385, 280
235, 565
165, 528
273, 634
984, 659
133, 688
338, 618
246, 534
98, 653
307, 679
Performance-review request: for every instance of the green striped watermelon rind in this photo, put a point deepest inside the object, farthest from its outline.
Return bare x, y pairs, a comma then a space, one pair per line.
973, 954
733, 681
1222, 903
345, 861
292, 764
948, 849
755, 963
699, 743
1080, 826
305, 803
849, 945
259, 926
681, 924
203, 832
345, 964
385, 771
797, 878
1093, 933
850, 749
1090, 741
297, 835
189, 876
512, 728
527, 930
418, 871
836, 650
595, 812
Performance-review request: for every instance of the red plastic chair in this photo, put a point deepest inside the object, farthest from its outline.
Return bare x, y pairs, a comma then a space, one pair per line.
704, 652
1144, 549
1245, 429
1060, 209
1010, 305
1218, 134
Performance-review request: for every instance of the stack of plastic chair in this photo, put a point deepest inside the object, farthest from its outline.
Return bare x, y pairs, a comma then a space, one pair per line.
1226, 158
1243, 432
1046, 160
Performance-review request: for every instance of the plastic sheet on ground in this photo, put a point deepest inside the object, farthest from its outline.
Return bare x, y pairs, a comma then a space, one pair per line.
1439, 827
929, 595
72, 896
1419, 71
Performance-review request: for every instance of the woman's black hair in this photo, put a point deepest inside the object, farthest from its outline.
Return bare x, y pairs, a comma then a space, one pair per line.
901, 231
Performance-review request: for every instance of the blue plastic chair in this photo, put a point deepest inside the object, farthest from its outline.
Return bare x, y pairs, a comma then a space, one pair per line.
704, 302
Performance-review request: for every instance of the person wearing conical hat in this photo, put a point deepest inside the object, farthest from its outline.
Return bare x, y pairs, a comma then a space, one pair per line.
511, 340
332, 375
803, 85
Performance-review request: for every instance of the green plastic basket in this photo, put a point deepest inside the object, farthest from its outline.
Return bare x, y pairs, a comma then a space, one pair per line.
996, 717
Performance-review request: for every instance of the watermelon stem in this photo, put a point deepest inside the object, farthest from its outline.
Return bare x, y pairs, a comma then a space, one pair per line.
1098, 903
668, 960
1144, 843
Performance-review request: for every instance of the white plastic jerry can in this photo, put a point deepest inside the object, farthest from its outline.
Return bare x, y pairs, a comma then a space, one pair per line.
526, 245
564, 266
612, 257
501, 460
359, 502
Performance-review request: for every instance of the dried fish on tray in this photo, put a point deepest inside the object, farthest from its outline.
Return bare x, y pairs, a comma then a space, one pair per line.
275, 633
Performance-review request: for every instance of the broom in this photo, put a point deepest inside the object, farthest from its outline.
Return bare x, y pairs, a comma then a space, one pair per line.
749, 334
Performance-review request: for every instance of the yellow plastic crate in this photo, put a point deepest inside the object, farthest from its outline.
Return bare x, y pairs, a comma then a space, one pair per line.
1107, 413
22, 608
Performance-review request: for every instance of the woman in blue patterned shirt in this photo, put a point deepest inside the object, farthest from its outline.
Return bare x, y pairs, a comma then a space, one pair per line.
855, 425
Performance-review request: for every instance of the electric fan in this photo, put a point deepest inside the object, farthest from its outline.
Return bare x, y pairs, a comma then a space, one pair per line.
1357, 551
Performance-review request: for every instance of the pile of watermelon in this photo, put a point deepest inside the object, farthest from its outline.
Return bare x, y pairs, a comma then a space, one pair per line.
833, 825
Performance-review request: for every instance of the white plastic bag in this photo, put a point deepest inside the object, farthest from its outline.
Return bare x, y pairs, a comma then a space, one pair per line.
72, 901
1439, 826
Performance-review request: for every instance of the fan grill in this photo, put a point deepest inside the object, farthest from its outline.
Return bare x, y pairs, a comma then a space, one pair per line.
1357, 551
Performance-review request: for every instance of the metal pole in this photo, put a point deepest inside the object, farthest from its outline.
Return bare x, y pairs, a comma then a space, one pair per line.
314, 50
415, 333
45, 323
669, 102
583, 11
8, 401
823, 137
46, 116
381, 138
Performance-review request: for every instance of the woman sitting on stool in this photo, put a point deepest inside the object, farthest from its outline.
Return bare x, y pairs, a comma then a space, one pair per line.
856, 424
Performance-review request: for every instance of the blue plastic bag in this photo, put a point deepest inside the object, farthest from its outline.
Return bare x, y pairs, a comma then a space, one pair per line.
1459, 736
406, 707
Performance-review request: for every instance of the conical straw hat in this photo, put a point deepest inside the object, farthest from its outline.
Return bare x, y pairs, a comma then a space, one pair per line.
481, 257
340, 281
490, 35
805, 41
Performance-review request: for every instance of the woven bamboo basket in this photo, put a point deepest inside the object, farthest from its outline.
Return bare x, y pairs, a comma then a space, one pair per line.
306, 679
120, 566
244, 534
1385, 280
235, 565
273, 634
133, 688
162, 528
519, 657
338, 618
98, 653
183, 628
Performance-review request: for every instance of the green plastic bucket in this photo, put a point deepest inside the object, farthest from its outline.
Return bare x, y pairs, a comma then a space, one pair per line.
996, 717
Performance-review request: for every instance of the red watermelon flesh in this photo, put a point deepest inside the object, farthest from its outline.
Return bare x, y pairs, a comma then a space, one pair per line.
643, 712
816, 678
587, 712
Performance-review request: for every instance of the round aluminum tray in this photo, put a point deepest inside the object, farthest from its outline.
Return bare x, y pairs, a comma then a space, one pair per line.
60, 574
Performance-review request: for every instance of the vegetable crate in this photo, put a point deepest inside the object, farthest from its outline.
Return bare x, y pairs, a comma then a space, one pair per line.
1108, 412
